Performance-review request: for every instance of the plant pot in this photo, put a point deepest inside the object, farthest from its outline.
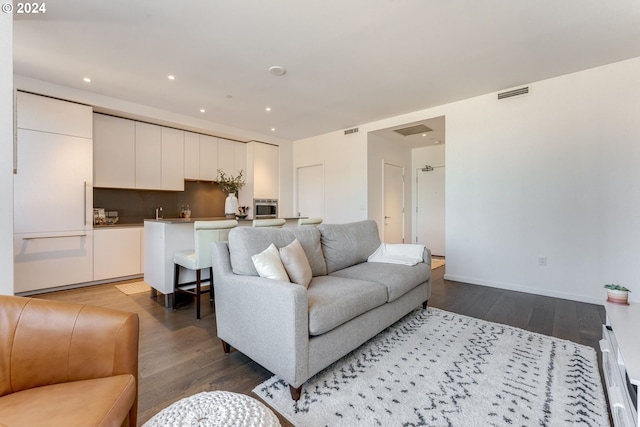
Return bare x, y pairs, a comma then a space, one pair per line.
617, 297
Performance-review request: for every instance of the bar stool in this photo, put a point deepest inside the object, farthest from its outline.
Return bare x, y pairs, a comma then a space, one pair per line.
205, 233
270, 222
302, 222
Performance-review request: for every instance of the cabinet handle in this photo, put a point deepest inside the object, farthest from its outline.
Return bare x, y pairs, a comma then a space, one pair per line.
55, 237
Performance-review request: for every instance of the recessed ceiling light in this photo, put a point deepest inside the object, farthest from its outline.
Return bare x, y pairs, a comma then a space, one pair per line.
436, 142
171, 77
202, 110
424, 134
277, 70
273, 129
268, 109
87, 80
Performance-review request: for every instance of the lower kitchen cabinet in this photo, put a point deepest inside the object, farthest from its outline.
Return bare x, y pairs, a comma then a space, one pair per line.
117, 252
50, 260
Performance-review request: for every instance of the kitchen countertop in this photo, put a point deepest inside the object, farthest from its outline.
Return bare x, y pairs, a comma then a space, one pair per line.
220, 218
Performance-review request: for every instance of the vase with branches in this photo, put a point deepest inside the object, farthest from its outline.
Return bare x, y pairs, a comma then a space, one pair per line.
231, 185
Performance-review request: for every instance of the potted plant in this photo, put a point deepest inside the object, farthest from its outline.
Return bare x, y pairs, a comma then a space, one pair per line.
617, 294
230, 184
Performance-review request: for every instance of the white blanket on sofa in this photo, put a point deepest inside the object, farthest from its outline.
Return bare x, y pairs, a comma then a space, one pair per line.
398, 253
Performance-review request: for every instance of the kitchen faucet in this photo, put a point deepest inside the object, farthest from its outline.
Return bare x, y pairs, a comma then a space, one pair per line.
159, 214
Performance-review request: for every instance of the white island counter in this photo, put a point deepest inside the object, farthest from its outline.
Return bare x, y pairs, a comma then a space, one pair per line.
164, 237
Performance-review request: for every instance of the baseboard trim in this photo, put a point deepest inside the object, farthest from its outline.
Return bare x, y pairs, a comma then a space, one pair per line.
525, 289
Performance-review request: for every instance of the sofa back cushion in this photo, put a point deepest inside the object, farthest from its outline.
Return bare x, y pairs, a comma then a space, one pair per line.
345, 245
247, 241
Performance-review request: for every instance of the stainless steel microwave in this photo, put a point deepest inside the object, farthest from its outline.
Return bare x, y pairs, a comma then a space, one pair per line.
265, 208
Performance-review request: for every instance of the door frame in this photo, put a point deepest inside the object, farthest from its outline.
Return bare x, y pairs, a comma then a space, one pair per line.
384, 163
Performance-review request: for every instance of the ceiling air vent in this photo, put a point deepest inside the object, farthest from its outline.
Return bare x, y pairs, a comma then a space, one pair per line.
350, 131
413, 130
514, 92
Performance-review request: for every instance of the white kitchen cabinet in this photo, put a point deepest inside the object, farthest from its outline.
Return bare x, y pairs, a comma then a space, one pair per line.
226, 156
172, 168
35, 112
266, 171
117, 252
191, 156
52, 186
44, 260
148, 159
200, 157
208, 157
113, 152
231, 156
240, 158
53, 197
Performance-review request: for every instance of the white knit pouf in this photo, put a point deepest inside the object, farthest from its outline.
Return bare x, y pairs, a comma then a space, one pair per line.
213, 409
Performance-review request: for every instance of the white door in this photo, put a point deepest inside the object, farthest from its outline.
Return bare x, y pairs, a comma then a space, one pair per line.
310, 191
430, 210
393, 203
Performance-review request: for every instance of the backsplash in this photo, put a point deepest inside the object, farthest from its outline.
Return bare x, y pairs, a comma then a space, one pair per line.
205, 199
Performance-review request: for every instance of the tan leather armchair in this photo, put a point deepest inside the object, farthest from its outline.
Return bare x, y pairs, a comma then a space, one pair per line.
64, 364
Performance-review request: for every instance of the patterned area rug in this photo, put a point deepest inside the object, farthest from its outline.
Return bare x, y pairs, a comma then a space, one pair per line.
435, 368
133, 288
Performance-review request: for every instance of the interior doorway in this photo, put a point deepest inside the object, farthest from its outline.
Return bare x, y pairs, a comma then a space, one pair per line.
430, 206
393, 203
310, 191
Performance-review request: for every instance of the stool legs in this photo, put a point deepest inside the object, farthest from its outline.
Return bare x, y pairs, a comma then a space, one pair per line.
198, 289
198, 282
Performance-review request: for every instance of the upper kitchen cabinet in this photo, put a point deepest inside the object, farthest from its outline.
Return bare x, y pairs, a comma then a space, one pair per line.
113, 152
208, 158
201, 157
40, 113
172, 168
137, 155
232, 156
148, 156
266, 171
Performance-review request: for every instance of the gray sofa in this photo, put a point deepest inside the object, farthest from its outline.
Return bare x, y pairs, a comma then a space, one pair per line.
294, 331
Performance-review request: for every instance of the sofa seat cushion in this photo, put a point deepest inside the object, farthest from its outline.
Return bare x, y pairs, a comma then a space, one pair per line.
335, 300
86, 403
397, 279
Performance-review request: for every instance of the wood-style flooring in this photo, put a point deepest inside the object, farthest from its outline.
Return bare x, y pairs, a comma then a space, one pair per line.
180, 356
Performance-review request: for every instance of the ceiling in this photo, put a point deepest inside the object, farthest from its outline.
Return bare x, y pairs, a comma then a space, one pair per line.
347, 62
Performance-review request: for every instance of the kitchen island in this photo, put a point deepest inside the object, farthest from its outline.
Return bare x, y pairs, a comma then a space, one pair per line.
164, 237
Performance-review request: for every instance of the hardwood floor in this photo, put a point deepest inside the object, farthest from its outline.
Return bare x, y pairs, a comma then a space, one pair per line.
180, 356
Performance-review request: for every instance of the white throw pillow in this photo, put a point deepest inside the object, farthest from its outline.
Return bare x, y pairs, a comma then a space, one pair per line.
296, 263
268, 264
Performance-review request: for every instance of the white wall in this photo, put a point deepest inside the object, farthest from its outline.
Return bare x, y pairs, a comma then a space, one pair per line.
553, 174
345, 169
381, 150
6, 154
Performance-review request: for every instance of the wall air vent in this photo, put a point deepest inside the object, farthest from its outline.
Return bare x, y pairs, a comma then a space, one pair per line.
413, 130
350, 131
514, 92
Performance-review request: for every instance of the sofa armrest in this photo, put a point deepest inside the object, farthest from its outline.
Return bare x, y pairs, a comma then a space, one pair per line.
51, 342
263, 318
426, 256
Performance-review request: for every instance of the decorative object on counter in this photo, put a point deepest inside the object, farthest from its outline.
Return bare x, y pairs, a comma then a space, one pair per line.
99, 217
617, 294
185, 213
242, 212
230, 185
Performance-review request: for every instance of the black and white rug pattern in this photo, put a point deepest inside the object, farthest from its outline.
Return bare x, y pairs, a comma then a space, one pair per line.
436, 368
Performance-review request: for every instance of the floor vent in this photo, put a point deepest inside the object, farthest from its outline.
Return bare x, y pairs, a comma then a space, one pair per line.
350, 131
514, 92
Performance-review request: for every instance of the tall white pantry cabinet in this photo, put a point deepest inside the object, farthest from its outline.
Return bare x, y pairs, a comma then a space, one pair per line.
53, 193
